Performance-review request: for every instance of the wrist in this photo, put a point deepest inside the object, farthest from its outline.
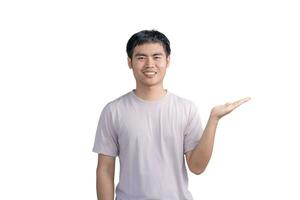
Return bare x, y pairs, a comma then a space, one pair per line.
214, 118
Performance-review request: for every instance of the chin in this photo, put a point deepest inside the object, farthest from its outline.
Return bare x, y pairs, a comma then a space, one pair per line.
151, 84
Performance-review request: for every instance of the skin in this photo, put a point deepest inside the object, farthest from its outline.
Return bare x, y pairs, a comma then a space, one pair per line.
199, 157
149, 56
152, 57
105, 174
145, 57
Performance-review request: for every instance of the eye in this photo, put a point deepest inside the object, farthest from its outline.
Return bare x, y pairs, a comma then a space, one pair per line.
157, 57
141, 58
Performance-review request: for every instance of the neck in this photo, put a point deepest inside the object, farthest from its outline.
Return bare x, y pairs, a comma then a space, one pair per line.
150, 93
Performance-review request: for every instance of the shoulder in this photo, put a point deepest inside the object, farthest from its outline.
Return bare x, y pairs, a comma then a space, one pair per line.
185, 106
182, 101
117, 103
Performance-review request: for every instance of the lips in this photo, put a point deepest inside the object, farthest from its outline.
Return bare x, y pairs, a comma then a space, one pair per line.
149, 74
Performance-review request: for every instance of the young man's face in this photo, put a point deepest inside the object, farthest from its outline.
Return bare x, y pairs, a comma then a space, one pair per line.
149, 63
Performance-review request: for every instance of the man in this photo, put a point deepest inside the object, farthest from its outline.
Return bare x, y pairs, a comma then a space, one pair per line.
151, 129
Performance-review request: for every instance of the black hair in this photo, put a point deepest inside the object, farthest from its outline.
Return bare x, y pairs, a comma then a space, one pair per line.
148, 36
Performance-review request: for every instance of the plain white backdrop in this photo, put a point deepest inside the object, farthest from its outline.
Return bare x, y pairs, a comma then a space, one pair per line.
62, 61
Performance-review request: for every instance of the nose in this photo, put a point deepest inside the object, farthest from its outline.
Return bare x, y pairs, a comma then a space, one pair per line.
150, 62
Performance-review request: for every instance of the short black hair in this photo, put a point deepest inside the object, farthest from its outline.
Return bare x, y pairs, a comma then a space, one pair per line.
148, 36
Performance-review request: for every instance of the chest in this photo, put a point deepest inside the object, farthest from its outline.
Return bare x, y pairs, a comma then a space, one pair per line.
151, 126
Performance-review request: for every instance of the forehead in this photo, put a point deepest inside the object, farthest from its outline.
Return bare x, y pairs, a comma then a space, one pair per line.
149, 48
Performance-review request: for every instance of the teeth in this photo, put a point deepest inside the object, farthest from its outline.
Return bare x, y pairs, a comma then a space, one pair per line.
149, 73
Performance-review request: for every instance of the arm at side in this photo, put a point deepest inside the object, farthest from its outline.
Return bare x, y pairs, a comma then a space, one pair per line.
105, 177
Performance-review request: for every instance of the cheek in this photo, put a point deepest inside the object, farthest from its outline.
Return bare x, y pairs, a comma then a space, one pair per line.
162, 66
162, 72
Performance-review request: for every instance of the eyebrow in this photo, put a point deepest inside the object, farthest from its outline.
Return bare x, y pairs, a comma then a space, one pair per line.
142, 54
139, 54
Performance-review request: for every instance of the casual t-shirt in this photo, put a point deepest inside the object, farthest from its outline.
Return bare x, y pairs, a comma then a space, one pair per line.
150, 138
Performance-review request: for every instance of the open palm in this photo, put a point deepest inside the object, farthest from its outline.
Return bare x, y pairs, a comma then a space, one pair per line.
222, 110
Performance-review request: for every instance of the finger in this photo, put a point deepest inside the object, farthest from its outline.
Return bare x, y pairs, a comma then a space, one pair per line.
240, 102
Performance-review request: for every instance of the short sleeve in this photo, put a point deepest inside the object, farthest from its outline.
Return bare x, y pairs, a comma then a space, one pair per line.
193, 130
106, 138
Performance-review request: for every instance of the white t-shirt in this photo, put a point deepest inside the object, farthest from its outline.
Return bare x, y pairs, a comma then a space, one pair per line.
150, 138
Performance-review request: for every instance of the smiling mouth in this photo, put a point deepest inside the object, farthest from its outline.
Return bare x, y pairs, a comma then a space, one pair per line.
150, 74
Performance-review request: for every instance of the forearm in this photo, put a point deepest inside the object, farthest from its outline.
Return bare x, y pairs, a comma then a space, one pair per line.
105, 186
202, 153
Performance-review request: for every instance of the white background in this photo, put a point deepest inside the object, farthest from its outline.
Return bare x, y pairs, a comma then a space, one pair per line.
62, 61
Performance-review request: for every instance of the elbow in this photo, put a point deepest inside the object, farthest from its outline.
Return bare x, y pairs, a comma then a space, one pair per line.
198, 171
198, 167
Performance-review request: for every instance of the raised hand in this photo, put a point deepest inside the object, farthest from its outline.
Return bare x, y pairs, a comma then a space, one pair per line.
219, 111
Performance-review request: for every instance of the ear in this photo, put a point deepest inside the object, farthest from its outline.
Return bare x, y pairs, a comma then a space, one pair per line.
168, 61
129, 62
